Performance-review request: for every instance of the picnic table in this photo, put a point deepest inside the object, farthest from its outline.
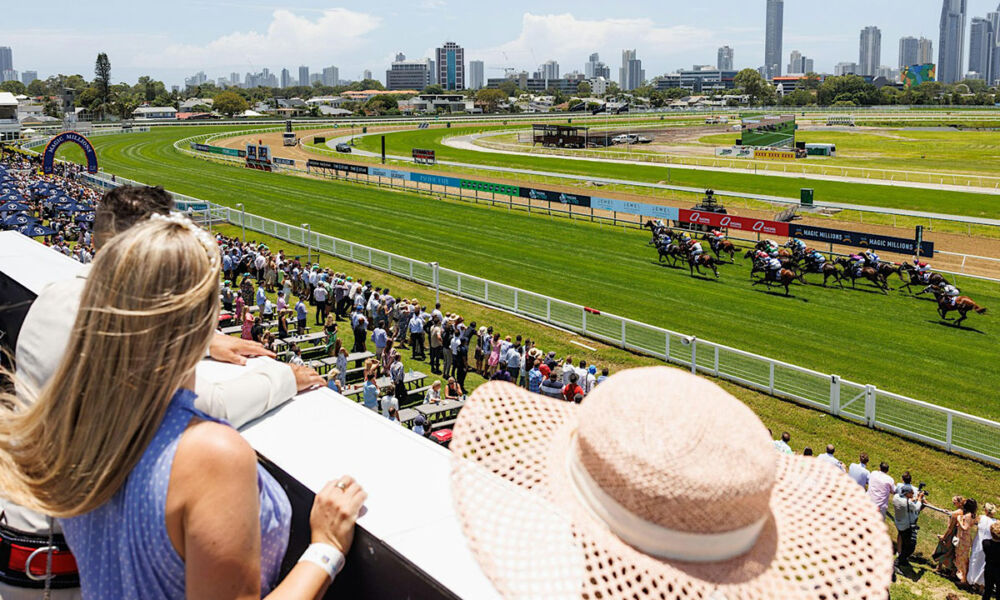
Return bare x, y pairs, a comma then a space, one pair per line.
412, 379
301, 340
322, 365
233, 329
447, 410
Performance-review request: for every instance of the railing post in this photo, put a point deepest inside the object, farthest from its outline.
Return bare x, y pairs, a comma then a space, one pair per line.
694, 355
548, 309
390, 262
716, 365
624, 345
459, 284
835, 395
515, 299
870, 405
583, 312
411, 269
666, 346
486, 291
770, 377
947, 433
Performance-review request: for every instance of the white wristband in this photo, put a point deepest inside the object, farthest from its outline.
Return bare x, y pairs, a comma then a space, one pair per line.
325, 557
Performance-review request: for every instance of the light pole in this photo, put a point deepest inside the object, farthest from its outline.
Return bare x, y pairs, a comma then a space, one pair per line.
243, 220
308, 245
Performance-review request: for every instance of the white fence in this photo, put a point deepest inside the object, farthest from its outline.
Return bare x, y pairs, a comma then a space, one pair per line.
948, 429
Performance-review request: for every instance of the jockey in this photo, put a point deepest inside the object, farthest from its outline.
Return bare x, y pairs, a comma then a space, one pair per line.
773, 266
857, 261
685, 238
694, 248
950, 292
796, 245
816, 257
922, 268
771, 247
871, 259
715, 236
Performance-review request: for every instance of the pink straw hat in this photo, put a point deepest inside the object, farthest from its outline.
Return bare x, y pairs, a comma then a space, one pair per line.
659, 485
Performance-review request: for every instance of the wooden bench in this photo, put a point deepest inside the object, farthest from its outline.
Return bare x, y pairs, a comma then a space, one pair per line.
449, 424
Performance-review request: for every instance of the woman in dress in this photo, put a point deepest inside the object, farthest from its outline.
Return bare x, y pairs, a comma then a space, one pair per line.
341, 353
453, 391
248, 323
494, 359
963, 531
975, 577
174, 505
944, 554
283, 324
479, 355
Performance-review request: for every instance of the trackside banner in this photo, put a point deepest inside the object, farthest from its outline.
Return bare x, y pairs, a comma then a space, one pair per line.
436, 180
636, 208
861, 240
559, 197
761, 226
337, 166
390, 173
283, 161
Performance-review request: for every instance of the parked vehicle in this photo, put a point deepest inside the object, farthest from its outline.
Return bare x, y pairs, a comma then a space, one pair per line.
342, 147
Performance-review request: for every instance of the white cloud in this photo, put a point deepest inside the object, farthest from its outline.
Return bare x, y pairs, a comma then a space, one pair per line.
289, 39
570, 40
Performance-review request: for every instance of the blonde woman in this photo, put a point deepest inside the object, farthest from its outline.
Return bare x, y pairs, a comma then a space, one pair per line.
944, 554
158, 500
977, 562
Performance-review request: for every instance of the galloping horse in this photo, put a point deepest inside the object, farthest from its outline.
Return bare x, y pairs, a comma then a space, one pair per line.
721, 246
656, 230
962, 304
703, 260
671, 251
828, 270
784, 277
786, 262
913, 277
866, 273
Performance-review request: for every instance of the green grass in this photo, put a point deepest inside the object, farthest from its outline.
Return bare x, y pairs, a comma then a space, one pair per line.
946, 475
894, 342
959, 203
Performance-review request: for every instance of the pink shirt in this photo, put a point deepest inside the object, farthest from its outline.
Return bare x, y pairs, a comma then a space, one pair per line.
880, 488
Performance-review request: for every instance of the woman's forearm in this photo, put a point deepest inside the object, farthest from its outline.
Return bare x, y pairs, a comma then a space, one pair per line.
305, 580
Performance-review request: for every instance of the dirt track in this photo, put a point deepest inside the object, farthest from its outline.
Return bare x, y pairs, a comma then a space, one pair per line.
960, 244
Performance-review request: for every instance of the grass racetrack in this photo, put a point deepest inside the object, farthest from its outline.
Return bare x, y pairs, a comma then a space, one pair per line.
895, 342
910, 198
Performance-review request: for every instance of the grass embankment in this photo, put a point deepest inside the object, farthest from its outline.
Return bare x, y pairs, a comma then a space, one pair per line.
895, 342
945, 474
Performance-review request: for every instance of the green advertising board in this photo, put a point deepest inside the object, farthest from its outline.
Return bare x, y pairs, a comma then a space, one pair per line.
495, 188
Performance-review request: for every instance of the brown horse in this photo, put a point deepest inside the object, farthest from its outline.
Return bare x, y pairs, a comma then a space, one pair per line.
671, 251
720, 247
828, 270
913, 278
784, 277
703, 260
963, 304
866, 273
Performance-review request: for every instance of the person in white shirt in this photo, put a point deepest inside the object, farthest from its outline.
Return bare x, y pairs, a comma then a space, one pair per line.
828, 457
859, 470
881, 487
389, 403
781, 445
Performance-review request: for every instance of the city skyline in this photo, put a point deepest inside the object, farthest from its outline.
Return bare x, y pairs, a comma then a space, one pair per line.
743, 30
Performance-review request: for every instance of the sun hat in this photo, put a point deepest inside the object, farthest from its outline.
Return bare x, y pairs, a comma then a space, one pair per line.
658, 485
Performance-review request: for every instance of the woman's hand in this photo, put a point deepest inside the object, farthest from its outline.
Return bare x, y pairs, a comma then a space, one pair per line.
334, 512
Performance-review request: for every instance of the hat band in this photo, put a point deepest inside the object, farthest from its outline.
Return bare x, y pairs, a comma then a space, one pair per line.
652, 538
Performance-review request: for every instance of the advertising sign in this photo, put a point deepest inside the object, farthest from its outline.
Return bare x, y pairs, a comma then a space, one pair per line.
337, 166
773, 155
200, 147
495, 188
284, 161
760, 226
861, 240
735, 152
264, 153
390, 173
49, 155
636, 208
558, 197
251, 152
421, 156
916, 74
436, 180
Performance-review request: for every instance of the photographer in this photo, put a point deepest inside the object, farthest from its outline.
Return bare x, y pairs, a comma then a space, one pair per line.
907, 505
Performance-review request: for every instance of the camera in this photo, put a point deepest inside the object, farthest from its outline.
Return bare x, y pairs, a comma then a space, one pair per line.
920, 488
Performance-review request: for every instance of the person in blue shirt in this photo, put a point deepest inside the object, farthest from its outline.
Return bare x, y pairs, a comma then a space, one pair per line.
534, 379
370, 393
300, 314
379, 338
417, 336
261, 298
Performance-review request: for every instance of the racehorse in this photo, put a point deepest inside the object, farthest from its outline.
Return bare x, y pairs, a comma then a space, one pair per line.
785, 277
963, 304
868, 273
786, 262
913, 277
703, 260
671, 251
828, 270
656, 230
721, 246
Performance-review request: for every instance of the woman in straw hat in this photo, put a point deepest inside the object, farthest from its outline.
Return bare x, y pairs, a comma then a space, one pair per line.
158, 500
659, 485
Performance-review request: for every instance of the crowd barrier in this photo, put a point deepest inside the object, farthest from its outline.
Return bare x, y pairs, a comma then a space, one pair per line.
950, 430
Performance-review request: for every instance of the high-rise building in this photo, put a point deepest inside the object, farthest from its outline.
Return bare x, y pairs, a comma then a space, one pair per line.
549, 70
28, 76
303, 76
925, 51
994, 74
450, 66
795, 63
773, 36
846, 68
6, 63
951, 41
908, 49
367, 74
315, 78
408, 74
195, 80
725, 60
981, 48
871, 50
630, 75
331, 75
234, 79
588, 69
477, 77
286, 78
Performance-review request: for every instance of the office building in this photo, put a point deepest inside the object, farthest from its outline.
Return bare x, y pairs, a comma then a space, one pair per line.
234, 78
798, 64
980, 48
595, 68
773, 37
477, 77
630, 75
870, 56
195, 80
846, 68
6, 63
286, 78
28, 76
408, 74
534, 84
994, 74
725, 60
698, 81
331, 75
303, 76
925, 51
315, 78
367, 74
951, 41
221, 83
887, 72
908, 51
548, 70
449, 65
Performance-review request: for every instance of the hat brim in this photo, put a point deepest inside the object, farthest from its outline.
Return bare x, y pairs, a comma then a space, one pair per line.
534, 539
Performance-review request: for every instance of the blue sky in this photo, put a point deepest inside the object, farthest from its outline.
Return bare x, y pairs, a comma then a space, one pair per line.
175, 39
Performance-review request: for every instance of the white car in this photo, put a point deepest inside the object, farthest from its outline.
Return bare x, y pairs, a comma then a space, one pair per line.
625, 138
